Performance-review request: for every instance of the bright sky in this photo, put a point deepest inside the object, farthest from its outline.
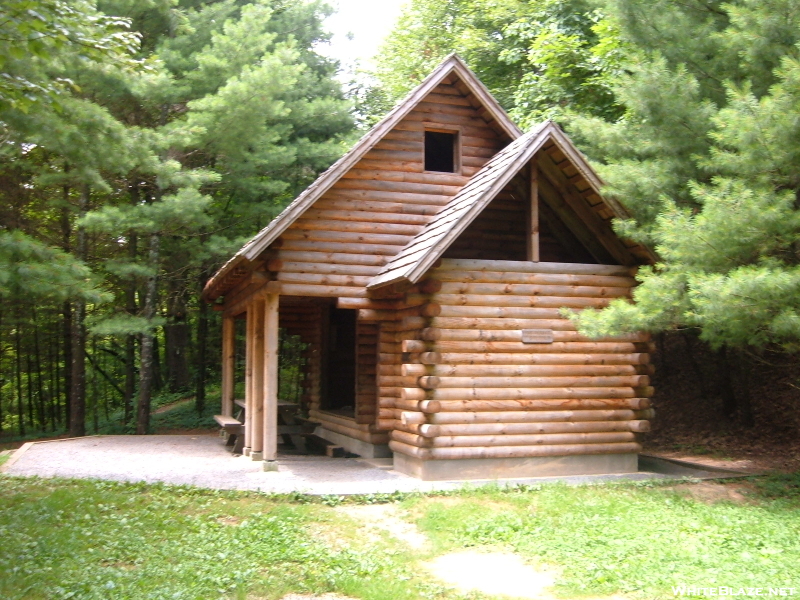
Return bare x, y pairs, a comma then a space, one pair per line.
369, 21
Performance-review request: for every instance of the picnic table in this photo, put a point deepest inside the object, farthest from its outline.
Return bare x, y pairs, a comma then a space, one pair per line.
291, 427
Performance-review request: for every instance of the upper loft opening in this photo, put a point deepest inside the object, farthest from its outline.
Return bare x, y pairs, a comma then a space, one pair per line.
441, 151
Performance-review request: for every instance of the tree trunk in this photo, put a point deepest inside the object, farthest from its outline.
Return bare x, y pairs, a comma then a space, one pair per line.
176, 341
2, 380
77, 396
66, 310
202, 341
132, 309
18, 353
43, 403
147, 363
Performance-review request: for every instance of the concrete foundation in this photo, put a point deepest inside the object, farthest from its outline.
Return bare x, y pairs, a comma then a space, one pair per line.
363, 449
515, 468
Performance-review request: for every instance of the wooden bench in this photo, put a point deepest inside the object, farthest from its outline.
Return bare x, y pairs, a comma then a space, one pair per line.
234, 427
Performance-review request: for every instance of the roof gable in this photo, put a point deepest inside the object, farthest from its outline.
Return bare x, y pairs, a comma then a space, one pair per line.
420, 254
451, 66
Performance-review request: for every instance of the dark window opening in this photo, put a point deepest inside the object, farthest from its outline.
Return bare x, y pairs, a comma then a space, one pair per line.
339, 393
440, 151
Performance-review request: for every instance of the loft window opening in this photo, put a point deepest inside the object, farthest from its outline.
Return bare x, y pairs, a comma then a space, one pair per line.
441, 151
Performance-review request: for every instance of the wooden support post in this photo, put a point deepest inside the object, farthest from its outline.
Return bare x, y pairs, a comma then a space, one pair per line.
228, 364
248, 381
257, 438
270, 369
533, 223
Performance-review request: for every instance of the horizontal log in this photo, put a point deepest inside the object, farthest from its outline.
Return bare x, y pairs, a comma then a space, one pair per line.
435, 178
386, 425
513, 334
327, 417
505, 277
502, 429
379, 206
409, 450
499, 312
478, 383
414, 346
519, 301
458, 264
388, 413
426, 406
532, 416
412, 418
403, 187
339, 259
372, 304
554, 348
364, 436
319, 279
324, 291
388, 195
362, 215
532, 393
453, 287
456, 358
513, 451
368, 229
355, 248
551, 404
451, 370
323, 268
544, 439
347, 237
557, 324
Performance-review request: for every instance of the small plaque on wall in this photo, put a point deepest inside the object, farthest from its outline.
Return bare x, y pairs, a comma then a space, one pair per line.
537, 336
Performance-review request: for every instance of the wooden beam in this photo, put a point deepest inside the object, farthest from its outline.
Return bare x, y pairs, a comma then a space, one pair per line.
248, 380
533, 222
270, 383
553, 203
257, 438
228, 364
601, 229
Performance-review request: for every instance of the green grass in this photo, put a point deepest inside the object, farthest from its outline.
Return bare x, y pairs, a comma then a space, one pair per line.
91, 540
639, 540
88, 539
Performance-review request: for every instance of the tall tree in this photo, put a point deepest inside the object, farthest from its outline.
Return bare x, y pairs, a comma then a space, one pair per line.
706, 157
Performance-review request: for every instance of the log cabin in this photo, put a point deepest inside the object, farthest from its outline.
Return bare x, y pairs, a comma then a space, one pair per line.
428, 273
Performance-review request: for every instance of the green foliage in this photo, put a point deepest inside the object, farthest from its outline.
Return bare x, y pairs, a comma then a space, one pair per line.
37, 36
163, 135
29, 268
706, 158
539, 59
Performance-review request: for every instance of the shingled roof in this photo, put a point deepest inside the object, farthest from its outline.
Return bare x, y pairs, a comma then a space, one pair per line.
240, 263
419, 255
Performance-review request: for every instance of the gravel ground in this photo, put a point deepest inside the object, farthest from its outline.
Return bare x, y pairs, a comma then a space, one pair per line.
203, 461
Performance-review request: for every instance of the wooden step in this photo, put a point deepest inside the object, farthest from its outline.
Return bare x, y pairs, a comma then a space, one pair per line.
324, 446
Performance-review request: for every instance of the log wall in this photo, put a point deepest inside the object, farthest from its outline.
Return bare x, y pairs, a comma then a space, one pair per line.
471, 386
367, 217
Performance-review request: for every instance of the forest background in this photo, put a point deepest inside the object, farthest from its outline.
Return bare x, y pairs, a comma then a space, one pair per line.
142, 142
